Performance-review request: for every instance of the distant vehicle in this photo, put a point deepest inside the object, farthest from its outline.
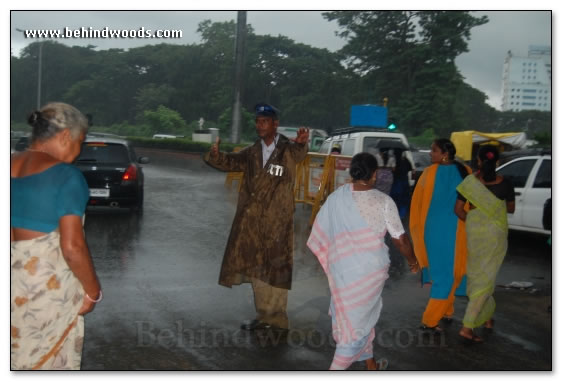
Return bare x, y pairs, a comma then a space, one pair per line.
22, 144
165, 136
108, 135
113, 172
467, 143
531, 178
421, 160
316, 136
18, 134
354, 141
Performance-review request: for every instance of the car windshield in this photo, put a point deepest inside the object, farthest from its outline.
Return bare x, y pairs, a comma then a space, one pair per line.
99, 152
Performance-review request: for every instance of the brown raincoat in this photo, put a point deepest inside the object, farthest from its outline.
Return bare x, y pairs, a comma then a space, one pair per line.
260, 244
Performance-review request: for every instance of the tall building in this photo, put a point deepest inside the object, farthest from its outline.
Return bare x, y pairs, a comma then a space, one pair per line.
526, 80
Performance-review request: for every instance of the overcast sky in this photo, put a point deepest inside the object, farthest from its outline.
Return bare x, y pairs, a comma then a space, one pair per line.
481, 66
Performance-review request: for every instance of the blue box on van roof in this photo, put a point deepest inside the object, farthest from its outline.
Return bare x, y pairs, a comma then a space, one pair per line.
368, 116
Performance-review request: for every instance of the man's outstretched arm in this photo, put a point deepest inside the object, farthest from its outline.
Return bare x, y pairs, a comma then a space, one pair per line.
231, 162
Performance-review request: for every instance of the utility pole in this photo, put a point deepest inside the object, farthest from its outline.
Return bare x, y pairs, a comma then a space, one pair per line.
240, 47
40, 59
39, 76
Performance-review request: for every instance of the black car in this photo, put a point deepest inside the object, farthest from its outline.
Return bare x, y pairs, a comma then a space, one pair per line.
113, 172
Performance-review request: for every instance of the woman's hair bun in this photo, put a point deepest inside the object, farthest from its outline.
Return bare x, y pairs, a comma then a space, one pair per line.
358, 172
34, 117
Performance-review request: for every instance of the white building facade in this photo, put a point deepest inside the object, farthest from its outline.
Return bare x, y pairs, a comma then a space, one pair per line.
526, 81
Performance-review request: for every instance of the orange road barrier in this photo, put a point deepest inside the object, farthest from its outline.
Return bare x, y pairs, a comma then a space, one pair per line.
317, 176
234, 176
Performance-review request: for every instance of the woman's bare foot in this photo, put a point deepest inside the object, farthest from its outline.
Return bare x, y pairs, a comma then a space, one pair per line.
468, 335
490, 324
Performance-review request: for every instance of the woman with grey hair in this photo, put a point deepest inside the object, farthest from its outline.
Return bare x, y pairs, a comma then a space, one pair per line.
53, 281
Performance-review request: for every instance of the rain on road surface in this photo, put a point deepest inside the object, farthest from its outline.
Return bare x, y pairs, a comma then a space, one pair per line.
163, 308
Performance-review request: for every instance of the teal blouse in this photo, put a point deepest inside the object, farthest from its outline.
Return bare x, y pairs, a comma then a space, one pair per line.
38, 201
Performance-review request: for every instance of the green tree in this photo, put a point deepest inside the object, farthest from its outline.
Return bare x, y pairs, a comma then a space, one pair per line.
225, 122
473, 111
62, 66
408, 56
164, 121
151, 96
309, 85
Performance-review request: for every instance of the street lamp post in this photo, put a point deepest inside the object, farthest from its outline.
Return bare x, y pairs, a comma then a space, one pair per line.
38, 71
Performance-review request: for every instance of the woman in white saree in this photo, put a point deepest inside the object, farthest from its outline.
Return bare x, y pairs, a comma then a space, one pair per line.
348, 239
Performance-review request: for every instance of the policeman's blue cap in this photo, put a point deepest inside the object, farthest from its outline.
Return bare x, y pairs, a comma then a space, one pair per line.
266, 110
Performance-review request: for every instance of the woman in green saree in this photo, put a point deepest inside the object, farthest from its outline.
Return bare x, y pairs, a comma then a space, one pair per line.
490, 196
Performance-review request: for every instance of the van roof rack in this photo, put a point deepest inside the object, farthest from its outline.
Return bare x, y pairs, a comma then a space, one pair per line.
357, 129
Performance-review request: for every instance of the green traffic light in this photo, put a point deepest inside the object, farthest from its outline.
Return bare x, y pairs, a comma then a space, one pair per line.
391, 126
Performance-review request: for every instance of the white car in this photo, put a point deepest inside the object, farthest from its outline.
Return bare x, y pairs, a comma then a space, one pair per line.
531, 178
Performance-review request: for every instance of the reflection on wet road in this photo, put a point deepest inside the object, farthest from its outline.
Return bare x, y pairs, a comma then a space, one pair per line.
163, 308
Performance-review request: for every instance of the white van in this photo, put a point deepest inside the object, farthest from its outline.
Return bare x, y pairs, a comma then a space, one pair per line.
164, 136
354, 142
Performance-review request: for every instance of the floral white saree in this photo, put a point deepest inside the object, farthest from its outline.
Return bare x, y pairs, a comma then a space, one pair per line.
46, 331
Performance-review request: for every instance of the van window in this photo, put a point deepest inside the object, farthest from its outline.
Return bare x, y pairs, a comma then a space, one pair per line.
373, 143
348, 147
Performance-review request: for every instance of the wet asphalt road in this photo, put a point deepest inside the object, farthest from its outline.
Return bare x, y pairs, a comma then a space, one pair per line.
163, 308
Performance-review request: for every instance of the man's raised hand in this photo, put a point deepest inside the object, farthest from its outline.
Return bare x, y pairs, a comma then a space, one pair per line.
215, 147
302, 135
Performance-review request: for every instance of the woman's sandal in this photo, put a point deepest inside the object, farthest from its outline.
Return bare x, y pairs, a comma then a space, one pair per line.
432, 329
474, 339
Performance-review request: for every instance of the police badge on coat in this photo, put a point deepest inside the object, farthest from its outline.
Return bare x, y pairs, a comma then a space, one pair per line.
275, 170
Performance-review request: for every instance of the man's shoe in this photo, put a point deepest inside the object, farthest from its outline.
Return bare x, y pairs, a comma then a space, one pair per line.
254, 324
272, 335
